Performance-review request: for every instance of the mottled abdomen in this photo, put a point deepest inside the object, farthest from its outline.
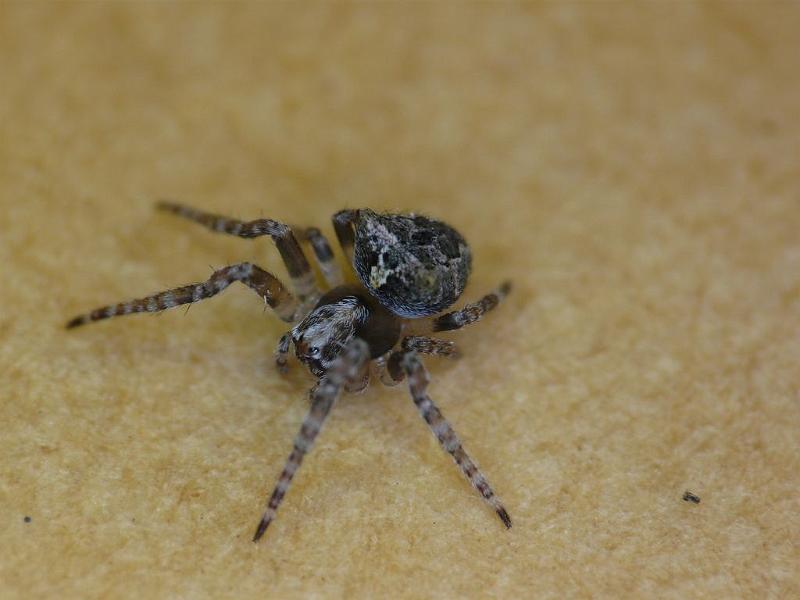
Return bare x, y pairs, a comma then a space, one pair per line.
414, 265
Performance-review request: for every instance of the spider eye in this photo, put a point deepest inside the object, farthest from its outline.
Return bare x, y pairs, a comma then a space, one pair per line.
313, 351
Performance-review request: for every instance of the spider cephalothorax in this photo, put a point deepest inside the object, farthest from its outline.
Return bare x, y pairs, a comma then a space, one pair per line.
343, 313
411, 267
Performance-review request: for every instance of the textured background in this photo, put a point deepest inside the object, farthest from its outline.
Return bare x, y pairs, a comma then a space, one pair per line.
633, 169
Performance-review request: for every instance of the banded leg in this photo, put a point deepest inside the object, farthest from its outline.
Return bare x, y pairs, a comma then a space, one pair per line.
432, 346
343, 226
263, 283
418, 384
380, 371
324, 255
282, 352
359, 382
323, 395
290, 251
471, 312
391, 366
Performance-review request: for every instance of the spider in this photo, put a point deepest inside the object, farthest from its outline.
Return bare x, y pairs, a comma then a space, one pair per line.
410, 267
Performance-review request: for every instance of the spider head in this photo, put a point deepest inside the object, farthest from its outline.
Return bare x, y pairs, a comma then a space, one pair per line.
413, 265
322, 336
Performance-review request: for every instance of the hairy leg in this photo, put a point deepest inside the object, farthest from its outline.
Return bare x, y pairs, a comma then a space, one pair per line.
345, 369
282, 353
360, 379
380, 370
324, 255
429, 345
418, 379
263, 283
343, 225
471, 312
293, 257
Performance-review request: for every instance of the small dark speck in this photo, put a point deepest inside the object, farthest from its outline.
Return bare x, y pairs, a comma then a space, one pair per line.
690, 497
27, 519
768, 126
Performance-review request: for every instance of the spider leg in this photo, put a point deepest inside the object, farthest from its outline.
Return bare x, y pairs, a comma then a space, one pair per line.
432, 346
263, 283
346, 368
360, 379
282, 352
296, 263
379, 370
418, 380
471, 312
343, 226
389, 366
324, 256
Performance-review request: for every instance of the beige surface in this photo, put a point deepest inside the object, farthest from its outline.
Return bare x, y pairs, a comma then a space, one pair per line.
634, 170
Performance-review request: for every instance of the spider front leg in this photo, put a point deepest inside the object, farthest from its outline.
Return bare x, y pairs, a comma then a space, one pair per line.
296, 263
260, 281
471, 312
346, 368
408, 364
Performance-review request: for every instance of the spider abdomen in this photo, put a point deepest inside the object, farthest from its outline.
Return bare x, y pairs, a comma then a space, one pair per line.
413, 265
